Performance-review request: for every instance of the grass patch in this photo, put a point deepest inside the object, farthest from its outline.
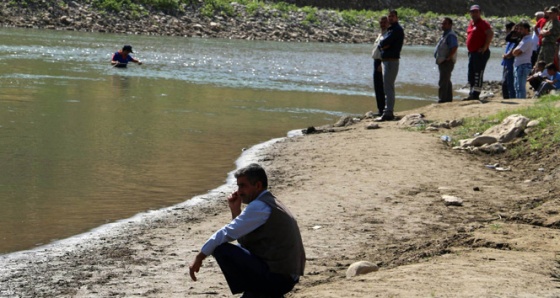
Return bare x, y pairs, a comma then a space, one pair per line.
545, 136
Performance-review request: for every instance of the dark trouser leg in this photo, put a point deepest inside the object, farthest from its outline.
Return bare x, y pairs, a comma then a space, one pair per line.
509, 80
535, 83
544, 88
378, 85
477, 64
445, 86
245, 272
505, 92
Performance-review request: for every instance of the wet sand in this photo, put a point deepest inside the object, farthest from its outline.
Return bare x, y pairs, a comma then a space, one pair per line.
358, 194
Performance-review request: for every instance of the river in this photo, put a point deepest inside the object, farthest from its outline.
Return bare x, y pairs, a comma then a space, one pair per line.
83, 144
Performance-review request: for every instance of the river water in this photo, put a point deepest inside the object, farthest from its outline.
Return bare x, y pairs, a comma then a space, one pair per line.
83, 144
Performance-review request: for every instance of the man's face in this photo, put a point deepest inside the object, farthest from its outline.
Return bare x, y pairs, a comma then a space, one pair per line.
247, 191
551, 72
392, 18
445, 25
522, 31
475, 14
384, 23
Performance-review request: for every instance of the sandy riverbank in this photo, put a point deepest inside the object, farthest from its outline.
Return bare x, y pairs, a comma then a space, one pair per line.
358, 194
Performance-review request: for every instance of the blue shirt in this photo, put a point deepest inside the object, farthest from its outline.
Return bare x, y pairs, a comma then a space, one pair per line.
511, 43
451, 40
253, 216
557, 78
123, 60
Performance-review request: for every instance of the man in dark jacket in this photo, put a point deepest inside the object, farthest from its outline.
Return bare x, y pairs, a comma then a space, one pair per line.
391, 47
270, 258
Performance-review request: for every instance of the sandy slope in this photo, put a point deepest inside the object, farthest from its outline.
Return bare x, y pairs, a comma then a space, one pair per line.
358, 195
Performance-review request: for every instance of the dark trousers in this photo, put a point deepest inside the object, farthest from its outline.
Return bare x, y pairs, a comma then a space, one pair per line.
477, 64
536, 82
544, 89
378, 85
246, 273
445, 93
508, 86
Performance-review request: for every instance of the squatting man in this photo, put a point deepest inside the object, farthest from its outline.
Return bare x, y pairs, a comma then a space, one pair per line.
270, 256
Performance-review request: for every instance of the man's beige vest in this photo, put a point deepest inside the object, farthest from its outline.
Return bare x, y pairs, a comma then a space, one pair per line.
278, 241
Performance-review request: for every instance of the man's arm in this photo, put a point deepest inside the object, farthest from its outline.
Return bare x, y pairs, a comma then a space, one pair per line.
453, 45
114, 60
196, 264
451, 53
234, 203
489, 37
254, 216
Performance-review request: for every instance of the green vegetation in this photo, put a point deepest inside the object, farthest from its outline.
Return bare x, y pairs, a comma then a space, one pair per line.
545, 136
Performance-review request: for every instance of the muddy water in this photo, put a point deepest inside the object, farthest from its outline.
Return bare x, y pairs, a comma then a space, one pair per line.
83, 144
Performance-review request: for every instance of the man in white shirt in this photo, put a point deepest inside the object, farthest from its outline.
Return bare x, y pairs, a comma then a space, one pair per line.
522, 63
270, 258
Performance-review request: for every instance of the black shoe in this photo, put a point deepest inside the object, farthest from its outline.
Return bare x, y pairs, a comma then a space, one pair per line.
470, 98
443, 101
385, 117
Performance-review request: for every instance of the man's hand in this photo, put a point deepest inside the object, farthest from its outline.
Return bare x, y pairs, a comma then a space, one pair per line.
194, 267
234, 202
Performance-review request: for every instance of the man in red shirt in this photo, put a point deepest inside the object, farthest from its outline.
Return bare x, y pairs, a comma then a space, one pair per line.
479, 37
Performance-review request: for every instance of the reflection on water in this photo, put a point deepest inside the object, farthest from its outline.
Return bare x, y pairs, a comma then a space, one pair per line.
82, 143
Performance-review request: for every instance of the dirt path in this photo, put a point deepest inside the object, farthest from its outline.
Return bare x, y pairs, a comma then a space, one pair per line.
359, 194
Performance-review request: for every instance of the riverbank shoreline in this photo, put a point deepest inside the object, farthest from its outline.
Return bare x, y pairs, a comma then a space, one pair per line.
264, 24
358, 194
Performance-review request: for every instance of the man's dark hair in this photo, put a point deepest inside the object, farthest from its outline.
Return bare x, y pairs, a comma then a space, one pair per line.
541, 63
253, 173
449, 20
510, 25
525, 25
393, 11
551, 66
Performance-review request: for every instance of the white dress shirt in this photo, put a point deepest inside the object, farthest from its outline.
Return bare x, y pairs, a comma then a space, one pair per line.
253, 216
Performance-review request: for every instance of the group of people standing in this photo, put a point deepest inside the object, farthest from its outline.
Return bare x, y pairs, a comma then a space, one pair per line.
539, 68
525, 46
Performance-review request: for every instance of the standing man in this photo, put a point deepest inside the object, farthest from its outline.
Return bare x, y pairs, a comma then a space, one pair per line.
377, 68
549, 33
539, 15
479, 37
122, 57
446, 56
508, 75
522, 62
391, 47
270, 258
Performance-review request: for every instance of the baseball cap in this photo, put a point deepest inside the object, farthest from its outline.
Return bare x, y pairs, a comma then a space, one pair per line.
553, 9
475, 7
127, 48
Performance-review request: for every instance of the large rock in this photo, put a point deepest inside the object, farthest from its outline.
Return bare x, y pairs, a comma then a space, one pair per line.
344, 121
360, 268
478, 141
413, 120
509, 129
